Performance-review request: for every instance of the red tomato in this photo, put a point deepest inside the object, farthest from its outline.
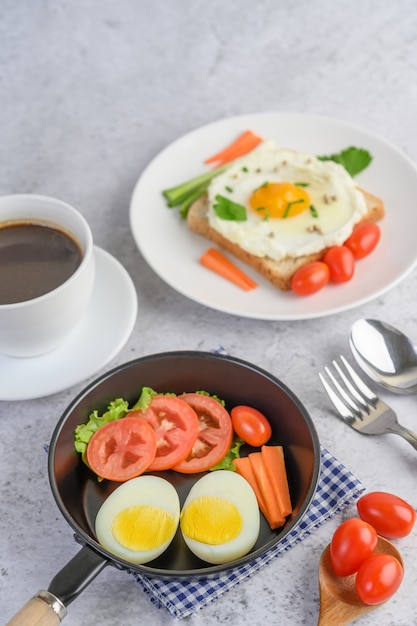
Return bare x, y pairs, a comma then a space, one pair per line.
390, 515
341, 263
353, 542
214, 436
122, 449
310, 278
250, 425
176, 427
378, 578
363, 239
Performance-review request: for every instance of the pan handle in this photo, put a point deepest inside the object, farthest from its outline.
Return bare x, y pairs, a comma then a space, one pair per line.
41, 610
48, 608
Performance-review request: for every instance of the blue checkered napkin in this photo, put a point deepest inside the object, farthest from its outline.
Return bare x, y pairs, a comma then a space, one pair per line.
337, 487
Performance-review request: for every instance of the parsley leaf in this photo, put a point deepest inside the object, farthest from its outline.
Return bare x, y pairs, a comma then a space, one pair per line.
354, 160
228, 210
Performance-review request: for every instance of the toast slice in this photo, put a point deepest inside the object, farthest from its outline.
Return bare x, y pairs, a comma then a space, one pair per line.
279, 273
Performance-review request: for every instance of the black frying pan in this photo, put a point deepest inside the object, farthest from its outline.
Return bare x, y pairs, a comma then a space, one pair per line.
79, 495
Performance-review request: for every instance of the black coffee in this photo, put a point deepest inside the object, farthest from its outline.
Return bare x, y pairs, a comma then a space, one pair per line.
34, 259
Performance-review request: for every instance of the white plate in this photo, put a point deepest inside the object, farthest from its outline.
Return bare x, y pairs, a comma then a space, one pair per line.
173, 251
100, 335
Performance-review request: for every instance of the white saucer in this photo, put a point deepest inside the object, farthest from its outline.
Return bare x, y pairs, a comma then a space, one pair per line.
97, 339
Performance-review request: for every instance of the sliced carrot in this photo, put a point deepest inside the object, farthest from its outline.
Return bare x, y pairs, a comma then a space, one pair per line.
277, 474
244, 468
246, 142
216, 261
274, 515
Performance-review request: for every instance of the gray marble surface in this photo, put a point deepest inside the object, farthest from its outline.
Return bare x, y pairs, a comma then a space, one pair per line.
90, 91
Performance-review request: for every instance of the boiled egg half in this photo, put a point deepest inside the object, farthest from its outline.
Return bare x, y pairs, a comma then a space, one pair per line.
220, 518
139, 519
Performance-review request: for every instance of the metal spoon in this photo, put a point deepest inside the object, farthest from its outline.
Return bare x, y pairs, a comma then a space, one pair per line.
385, 354
339, 602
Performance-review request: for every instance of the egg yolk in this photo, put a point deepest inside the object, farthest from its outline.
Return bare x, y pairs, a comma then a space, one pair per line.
279, 200
143, 527
211, 520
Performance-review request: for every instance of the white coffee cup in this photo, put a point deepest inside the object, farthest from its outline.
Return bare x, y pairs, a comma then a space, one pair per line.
38, 325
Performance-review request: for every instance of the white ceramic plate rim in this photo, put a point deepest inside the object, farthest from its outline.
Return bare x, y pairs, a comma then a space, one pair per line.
100, 335
172, 251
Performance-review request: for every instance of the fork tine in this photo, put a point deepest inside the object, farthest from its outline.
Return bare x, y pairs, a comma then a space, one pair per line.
349, 401
368, 393
340, 406
351, 389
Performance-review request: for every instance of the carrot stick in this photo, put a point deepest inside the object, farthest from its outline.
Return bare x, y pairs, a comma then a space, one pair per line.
244, 468
277, 474
246, 142
274, 515
217, 262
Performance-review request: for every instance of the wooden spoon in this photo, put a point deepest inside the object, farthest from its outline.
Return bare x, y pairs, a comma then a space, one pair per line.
339, 602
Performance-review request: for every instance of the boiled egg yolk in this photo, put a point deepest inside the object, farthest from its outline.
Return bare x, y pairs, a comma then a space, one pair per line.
211, 520
143, 527
279, 200
139, 519
220, 518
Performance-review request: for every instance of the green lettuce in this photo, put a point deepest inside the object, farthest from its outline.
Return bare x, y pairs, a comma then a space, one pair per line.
233, 453
83, 433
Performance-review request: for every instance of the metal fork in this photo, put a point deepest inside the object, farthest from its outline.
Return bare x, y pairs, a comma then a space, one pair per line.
361, 409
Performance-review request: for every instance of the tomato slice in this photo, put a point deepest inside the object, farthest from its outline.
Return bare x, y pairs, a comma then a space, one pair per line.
176, 426
214, 437
122, 449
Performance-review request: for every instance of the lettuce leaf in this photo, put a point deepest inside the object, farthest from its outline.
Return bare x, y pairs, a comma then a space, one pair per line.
83, 433
234, 453
144, 399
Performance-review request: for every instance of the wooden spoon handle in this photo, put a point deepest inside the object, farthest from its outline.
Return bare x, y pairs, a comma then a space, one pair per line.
42, 610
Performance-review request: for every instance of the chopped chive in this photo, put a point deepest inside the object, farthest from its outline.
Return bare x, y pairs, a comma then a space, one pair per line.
313, 211
302, 184
288, 207
228, 189
267, 214
245, 169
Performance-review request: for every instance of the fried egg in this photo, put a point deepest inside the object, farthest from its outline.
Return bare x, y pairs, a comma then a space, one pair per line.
295, 204
220, 517
139, 519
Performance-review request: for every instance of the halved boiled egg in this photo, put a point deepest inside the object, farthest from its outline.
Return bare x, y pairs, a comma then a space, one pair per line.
220, 518
138, 521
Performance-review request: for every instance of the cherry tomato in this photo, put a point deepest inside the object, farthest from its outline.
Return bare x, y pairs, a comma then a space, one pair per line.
363, 239
353, 542
310, 278
122, 449
214, 437
176, 426
378, 578
390, 515
341, 263
250, 425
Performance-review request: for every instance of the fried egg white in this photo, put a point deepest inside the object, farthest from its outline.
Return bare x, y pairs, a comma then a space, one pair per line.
295, 203
220, 517
139, 519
